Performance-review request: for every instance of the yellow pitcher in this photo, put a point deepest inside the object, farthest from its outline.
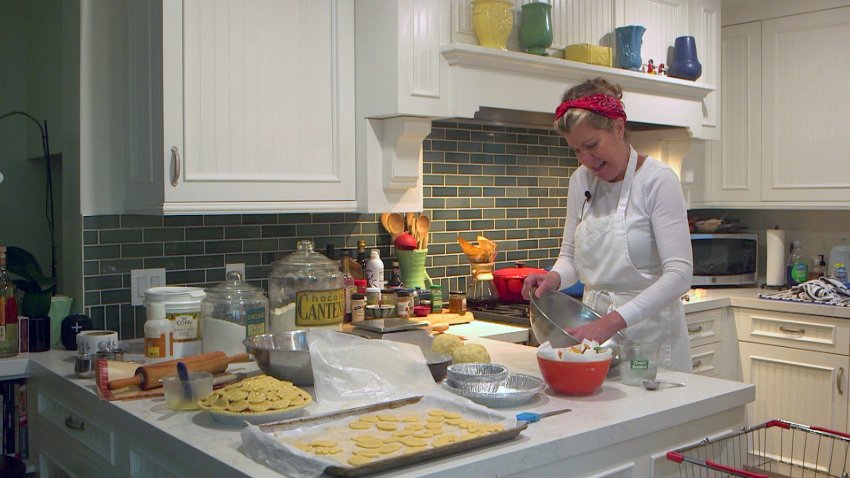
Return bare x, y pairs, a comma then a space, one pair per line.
492, 21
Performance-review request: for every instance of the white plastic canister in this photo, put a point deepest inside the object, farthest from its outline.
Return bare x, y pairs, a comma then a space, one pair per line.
183, 309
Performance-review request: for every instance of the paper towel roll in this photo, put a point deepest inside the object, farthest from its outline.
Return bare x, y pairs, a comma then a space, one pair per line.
775, 257
93, 341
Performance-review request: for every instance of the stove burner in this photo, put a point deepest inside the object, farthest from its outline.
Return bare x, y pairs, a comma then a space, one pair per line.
506, 313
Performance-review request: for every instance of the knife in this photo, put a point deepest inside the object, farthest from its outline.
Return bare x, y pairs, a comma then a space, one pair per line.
532, 417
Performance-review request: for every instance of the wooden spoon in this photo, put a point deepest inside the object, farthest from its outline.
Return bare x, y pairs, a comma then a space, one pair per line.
395, 225
423, 224
385, 216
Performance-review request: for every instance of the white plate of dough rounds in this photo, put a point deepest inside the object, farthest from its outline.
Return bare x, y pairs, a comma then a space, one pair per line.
255, 400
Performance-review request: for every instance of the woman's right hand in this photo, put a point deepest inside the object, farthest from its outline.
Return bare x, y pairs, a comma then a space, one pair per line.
537, 284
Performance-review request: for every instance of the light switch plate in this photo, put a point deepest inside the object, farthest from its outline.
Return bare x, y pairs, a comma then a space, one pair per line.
238, 267
143, 279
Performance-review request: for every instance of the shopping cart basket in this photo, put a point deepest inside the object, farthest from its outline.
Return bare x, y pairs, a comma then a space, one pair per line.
774, 449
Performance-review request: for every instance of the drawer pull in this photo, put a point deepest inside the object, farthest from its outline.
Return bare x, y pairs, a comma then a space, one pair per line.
696, 364
695, 330
792, 331
839, 382
70, 423
175, 166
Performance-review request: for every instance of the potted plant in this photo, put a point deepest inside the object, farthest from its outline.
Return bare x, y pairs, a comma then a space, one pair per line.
29, 279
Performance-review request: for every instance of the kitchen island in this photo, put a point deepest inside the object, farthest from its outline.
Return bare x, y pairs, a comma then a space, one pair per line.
618, 431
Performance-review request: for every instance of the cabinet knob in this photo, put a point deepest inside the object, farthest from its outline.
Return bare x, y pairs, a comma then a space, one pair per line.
70, 423
696, 364
839, 382
695, 330
175, 166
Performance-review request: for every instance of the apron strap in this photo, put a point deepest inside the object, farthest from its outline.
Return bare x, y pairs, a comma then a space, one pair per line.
627, 181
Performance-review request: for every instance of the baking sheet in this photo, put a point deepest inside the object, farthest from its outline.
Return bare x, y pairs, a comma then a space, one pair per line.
274, 444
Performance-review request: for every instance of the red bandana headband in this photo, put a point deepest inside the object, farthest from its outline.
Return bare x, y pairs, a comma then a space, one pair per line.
605, 105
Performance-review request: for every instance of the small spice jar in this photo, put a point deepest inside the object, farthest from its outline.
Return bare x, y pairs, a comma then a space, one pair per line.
373, 296
457, 302
358, 307
403, 304
436, 298
389, 297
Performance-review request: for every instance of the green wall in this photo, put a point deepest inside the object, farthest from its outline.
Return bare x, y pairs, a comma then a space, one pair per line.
31, 81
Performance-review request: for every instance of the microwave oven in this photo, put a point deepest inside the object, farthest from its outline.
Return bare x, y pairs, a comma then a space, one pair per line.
724, 259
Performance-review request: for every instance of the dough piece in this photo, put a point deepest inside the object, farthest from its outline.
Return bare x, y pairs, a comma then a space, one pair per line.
388, 418
389, 448
470, 353
386, 426
359, 425
357, 460
445, 343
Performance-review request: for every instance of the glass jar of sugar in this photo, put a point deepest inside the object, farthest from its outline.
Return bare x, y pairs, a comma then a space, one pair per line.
230, 312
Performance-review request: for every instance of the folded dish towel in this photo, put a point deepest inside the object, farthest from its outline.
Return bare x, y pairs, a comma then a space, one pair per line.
826, 291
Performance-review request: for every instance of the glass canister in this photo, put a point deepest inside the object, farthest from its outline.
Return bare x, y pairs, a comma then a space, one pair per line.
305, 291
230, 312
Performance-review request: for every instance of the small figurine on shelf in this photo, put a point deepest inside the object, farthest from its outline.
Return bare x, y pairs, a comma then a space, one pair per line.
650, 67
662, 70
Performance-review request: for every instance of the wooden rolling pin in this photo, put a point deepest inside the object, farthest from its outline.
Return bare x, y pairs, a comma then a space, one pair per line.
150, 376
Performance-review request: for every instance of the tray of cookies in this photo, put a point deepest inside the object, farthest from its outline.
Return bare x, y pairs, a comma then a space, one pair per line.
371, 439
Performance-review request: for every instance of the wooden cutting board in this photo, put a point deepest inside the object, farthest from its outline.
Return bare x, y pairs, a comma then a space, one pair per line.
448, 318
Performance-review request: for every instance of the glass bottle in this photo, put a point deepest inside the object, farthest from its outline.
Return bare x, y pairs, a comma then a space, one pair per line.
8, 311
362, 258
395, 277
818, 269
347, 284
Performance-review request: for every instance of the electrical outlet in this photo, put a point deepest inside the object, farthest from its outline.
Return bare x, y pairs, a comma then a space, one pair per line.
238, 267
142, 280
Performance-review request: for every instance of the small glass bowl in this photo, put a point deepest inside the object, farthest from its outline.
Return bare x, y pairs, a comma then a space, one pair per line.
184, 395
479, 377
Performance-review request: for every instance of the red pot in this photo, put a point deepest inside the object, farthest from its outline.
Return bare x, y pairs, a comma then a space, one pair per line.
509, 281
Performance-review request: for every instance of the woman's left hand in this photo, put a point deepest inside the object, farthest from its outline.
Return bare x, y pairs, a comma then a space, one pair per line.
599, 330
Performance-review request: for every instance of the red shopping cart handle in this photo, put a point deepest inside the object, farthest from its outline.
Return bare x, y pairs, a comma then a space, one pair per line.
675, 456
827, 430
718, 466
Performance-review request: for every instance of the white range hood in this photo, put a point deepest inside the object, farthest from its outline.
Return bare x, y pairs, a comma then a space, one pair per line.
413, 66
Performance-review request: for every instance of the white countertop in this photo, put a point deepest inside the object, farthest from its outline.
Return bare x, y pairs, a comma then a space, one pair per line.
614, 414
749, 298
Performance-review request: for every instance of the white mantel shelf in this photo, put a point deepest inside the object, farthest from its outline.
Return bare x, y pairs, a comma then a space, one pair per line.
462, 54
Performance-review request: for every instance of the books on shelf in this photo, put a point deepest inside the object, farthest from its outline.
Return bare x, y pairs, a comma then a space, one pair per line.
15, 425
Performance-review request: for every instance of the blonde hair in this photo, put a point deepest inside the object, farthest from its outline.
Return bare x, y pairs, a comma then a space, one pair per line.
575, 116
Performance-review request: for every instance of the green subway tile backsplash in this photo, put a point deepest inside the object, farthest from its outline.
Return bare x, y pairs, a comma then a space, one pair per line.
506, 182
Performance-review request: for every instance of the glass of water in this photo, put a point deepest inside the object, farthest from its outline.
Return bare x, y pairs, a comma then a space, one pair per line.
638, 361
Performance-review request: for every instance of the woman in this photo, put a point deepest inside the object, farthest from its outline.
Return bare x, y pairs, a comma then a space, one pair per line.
626, 235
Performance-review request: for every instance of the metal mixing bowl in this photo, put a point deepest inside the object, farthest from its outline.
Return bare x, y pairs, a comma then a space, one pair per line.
283, 355
556, 310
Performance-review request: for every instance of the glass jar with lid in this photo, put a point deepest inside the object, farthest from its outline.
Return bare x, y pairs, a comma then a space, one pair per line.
305, 291
230, 312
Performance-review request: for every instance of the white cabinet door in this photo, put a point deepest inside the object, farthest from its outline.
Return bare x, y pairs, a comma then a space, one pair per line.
736, 173
799, 385
257, 108
804, 109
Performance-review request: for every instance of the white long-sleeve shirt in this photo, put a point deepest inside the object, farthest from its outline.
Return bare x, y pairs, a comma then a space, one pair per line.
656, 229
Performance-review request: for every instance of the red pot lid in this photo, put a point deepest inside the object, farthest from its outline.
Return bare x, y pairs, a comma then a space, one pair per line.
521, 271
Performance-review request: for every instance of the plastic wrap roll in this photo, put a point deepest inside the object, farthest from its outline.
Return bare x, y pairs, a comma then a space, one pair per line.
776, 257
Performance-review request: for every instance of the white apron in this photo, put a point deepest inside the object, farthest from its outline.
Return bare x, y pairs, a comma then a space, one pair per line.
604, 266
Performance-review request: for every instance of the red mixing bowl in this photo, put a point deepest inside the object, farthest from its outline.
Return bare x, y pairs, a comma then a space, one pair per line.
509, 281
574, 378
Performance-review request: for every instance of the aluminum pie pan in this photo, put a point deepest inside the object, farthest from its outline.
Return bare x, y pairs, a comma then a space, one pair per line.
516, 389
